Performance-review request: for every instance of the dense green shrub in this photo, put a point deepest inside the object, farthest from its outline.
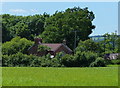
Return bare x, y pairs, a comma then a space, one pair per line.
68, 61
16, 45
107, 62
99, 62
89, 45
5, 60
23, 60
85, 58
116, 61
17, 59
80, 59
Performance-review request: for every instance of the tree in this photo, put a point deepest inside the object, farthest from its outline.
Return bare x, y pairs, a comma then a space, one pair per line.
7, 22
118, 44
80, 59
22, 26
89, 45
62, 25
20, 29
109, 44
16, 45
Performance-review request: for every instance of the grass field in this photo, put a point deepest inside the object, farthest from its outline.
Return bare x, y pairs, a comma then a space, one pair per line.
43, 76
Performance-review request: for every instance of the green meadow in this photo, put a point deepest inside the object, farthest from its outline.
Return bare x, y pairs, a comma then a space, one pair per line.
49, 76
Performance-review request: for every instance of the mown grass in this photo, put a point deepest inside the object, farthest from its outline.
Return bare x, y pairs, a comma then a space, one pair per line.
44, 76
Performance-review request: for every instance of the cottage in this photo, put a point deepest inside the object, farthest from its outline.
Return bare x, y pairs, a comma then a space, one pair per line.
54, 48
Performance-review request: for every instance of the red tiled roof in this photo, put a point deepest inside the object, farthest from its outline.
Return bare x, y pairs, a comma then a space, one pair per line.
53, 46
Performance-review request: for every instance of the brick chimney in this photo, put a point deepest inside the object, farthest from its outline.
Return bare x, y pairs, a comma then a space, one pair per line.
38, 40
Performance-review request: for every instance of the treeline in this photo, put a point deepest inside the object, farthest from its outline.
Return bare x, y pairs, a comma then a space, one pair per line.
15, 54
18, 33
87, 54
51, 28
24, 26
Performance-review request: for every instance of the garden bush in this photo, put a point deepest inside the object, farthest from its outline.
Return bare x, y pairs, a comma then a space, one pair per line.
80, 59
16, 45
22, 60
99, 62
116, 61
85, 58
68, 61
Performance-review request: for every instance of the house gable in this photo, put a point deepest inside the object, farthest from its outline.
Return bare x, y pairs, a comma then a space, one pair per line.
55, 48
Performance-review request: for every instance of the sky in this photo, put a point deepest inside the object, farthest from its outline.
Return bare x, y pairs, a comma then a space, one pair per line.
106, 13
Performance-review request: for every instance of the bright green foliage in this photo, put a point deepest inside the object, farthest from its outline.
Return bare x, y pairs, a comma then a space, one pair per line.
109, 43
16, 45
99, 62
89, 45
62, 25
43, 48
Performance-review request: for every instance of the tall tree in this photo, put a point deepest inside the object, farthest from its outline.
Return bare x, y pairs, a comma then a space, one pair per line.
23, 26
109, 44
62, 25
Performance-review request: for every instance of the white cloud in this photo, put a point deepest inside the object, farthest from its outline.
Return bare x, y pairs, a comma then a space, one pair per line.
18, 10
33, 10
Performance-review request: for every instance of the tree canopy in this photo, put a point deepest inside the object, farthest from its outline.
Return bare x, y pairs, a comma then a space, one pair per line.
62, 25
52, 28
23, 26
73, 25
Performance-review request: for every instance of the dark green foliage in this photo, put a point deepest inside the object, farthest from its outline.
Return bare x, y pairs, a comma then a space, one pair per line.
118, 44
23, 26
51, 62
89, 45
118, 57
80, 59
62, 25
68, 61
23, 60
107, 62
20, 60
7, 22
52, 28
99, 62
85, 58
